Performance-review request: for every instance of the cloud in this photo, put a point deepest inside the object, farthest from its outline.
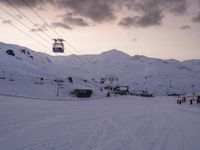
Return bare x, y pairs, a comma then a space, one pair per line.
61, 25
103, 11
146, 20
152, 12
69, 22
135, 40
96, 10
185, 27
70, 19
20, 3
196, 18
6, 22
141, 13
39, 28
32, 3
178, 7
19, 16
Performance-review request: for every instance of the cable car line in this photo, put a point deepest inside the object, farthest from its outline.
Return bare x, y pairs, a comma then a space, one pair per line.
28, 35
26, 3
26, 25
23, 24
42, 31
23, 32
27, 18
83, 60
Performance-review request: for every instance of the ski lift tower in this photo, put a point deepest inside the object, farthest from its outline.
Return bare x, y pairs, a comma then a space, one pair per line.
112, 79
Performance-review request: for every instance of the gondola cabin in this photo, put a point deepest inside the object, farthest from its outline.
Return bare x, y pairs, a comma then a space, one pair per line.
58, 46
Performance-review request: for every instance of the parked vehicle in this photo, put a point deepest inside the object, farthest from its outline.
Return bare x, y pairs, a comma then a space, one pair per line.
142, 93
121, 90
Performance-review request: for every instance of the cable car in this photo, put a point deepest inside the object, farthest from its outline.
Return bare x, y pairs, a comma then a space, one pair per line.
58, 46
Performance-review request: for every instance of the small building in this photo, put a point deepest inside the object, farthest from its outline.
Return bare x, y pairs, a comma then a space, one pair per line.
173, 94
176, 94
121, 90
82, 93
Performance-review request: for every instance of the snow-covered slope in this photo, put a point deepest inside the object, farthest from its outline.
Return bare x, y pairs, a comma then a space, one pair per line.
27, 73
138, 72
143, 73
117, 123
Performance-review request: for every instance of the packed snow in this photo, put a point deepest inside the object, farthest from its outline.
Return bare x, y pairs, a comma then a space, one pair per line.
117, 123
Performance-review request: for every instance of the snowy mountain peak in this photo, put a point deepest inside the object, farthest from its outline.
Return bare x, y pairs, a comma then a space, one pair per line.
114, 52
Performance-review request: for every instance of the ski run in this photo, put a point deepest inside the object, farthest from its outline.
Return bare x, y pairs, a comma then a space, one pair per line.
114, 123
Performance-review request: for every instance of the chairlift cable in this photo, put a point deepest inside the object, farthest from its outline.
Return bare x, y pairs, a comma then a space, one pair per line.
83, 60
99, 69
22, 23
27, 4
14, 26
36, 33
30, 21
27, 18
23, 32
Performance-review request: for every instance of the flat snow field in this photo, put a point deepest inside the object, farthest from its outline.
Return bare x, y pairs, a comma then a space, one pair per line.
118, 123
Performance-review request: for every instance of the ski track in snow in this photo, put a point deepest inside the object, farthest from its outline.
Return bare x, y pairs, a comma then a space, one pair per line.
122, 123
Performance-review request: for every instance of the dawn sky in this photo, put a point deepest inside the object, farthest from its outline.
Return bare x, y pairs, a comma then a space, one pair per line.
154, 28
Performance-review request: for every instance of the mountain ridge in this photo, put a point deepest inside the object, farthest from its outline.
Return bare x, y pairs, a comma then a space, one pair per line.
138, 72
